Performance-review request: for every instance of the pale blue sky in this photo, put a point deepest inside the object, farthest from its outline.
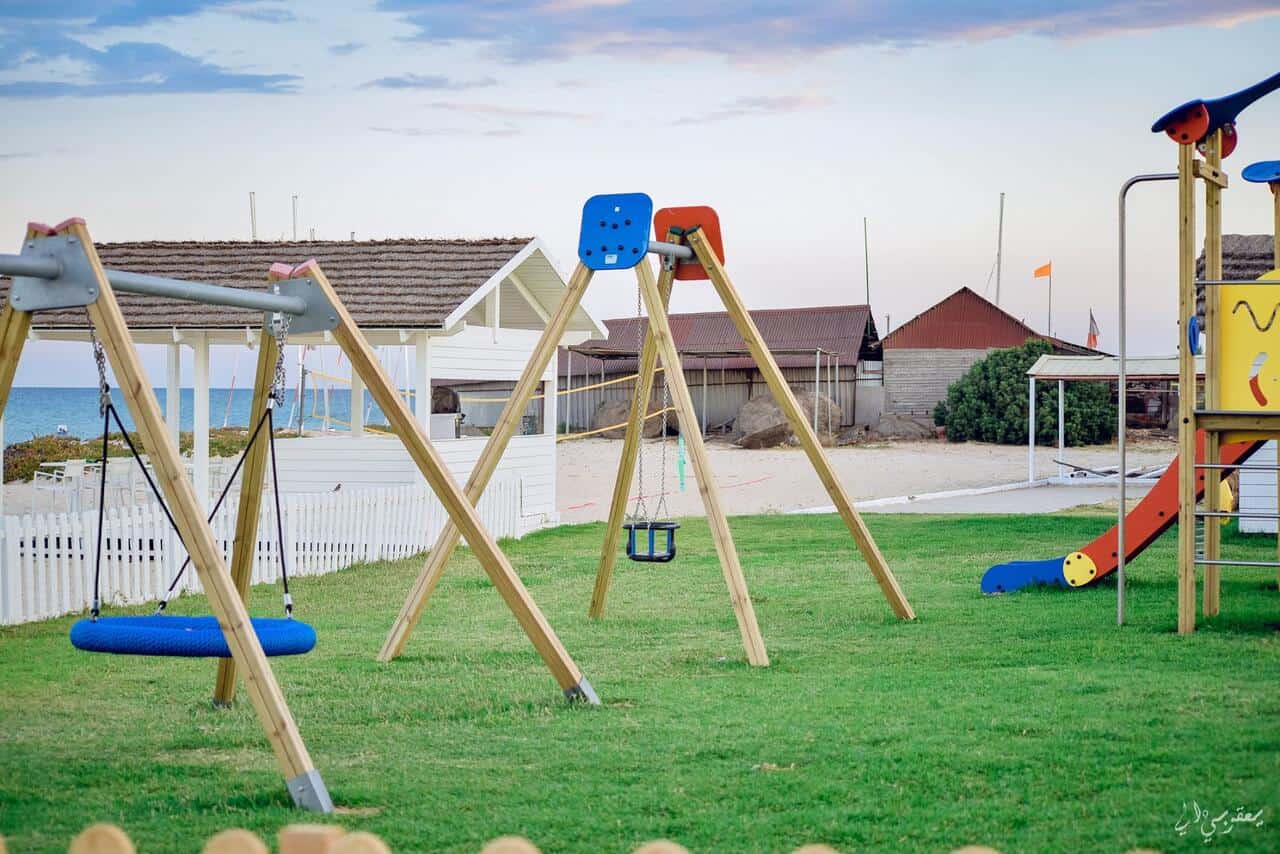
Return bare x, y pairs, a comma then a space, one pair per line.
411, 117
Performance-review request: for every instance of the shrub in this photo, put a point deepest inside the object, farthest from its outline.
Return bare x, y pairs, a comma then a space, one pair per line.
989, 403
21, 459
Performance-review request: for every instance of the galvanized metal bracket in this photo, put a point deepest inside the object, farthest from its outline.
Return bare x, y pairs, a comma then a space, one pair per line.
74, 287
309, 792
582, 693
320, 315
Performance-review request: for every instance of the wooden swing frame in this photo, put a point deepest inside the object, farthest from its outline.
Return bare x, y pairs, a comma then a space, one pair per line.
226, 591
658, 344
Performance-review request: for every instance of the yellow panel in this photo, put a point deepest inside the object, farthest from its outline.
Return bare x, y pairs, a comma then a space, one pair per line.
1249, 352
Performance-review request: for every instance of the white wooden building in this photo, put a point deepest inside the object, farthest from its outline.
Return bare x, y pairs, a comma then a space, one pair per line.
471, 310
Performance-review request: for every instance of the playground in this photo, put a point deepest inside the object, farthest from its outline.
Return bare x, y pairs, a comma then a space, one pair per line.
1085, 680
1025, 723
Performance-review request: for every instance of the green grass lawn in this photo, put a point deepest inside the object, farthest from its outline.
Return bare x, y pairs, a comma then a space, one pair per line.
1027, 722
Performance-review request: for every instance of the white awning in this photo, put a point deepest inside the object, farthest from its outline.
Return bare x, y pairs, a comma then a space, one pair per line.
1053, 367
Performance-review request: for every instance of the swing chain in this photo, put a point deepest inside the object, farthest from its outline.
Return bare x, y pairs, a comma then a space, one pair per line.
661, 511
641, 511
280, 323
100, 358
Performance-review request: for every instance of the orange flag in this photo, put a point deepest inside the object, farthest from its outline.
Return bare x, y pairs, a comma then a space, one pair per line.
1046, 270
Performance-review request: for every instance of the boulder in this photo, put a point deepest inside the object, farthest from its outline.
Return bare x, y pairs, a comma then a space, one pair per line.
906, 427
612, 412
762, 424
445, 400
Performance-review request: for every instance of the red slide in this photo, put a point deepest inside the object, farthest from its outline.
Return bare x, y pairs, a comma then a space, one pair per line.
1151, 518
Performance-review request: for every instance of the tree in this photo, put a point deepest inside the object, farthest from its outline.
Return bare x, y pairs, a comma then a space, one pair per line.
989, 403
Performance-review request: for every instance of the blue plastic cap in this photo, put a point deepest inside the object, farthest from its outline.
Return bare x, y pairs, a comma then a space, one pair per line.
615, 231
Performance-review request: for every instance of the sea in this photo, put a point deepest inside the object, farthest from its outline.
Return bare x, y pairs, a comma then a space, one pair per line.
37, 411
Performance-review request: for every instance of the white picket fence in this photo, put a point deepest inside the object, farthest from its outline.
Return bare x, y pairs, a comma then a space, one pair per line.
47, 560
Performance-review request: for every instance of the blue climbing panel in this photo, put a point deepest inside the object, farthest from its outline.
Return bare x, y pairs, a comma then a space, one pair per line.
1264, 172
615, 231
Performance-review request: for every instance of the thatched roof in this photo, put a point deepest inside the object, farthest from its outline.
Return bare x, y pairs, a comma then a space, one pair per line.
406, 283
1244, 257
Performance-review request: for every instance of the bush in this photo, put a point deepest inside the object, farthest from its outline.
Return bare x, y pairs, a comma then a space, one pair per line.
21, 459
989, 403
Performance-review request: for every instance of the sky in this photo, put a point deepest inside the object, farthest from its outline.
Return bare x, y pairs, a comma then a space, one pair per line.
391, 118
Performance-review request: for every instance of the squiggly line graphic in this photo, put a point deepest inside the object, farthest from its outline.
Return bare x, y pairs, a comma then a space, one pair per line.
1256, 325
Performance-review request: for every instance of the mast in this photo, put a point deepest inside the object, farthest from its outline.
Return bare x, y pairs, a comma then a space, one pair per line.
999, 247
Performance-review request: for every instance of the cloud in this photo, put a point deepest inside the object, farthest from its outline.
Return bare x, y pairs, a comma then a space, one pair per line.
126, 68
757, 105
428, 81
345, 49
506, 130
508, 112
108, 13
265, 14
529, 30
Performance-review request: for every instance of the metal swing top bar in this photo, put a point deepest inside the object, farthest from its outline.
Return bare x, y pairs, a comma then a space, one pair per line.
49, 268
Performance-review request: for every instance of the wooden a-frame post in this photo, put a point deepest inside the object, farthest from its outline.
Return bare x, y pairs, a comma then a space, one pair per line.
786, 401
365, 363
253, 473
645, 367
487, 464
745, 612
303, 780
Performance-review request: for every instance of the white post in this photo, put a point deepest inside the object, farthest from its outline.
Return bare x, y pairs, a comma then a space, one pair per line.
704, 395
493, 311
422, 380
568, 412
817, 389
1031, 432
549, 381
1062, 428
357, 404
173, 389
200, 411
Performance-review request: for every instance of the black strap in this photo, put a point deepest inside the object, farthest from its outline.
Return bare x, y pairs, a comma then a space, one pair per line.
275, 491
102, 506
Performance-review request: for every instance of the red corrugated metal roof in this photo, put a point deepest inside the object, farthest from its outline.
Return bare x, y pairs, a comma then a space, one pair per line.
966, 321
846, 330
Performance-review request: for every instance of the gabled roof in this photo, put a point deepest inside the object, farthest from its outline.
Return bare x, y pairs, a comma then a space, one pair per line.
844, 331
966, 321
386, 284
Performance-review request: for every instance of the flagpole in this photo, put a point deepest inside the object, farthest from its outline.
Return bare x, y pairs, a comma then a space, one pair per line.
1049, 330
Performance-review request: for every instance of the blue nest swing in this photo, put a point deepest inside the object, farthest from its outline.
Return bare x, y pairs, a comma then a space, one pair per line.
185, 637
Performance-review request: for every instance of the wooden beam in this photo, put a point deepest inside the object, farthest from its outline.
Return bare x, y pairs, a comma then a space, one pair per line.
268, 701
1212, 164
786, 401
648, 360
743, 609
1186, 392
14, 326
1208, 170
460, 510
252, 476
485, 466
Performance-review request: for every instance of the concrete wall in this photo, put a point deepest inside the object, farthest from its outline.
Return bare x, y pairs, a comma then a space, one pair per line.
915, 380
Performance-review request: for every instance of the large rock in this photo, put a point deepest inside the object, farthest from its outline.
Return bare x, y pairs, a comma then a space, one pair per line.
906, 427
762, 424
612, 412
445, 400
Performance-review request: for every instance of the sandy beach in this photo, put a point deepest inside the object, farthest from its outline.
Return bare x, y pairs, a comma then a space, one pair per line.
779, 480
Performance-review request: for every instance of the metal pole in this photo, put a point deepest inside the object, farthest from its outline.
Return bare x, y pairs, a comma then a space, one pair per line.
866, 259
136, 283
1062, 426
568, 385
1031, 431
253, 217
673, 250
999, 247
1122, 384
1049, 327
295, 217
817, 389
704, 395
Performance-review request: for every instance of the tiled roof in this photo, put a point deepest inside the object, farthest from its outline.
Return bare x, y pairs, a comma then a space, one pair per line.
966, 321
847, 331
404, 283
